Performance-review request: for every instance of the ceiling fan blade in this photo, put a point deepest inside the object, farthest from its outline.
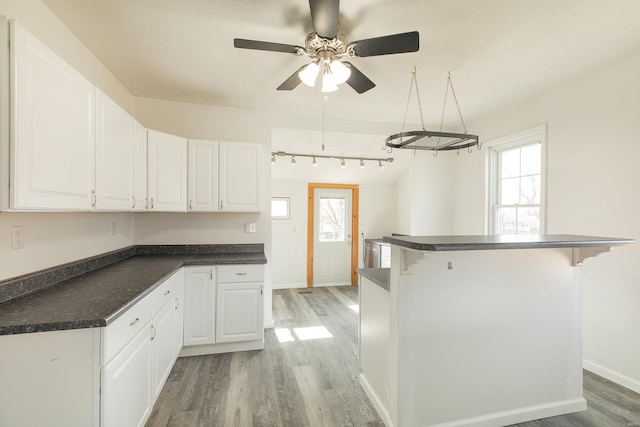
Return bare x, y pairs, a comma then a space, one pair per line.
387, 45
292, 82
324, 14
358, 81
259, 45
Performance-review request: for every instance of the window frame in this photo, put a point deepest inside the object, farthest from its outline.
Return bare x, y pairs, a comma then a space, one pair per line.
287, 200
494, 148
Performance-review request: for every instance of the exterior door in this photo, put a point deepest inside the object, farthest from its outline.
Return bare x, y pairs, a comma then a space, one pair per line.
332, 236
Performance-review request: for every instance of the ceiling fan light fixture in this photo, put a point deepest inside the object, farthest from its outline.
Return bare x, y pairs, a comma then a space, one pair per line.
340, 72
309, 74
328, 82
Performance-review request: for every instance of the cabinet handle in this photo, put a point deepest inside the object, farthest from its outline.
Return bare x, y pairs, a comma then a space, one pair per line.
167, 293
177, 303
133, 202
93, 198
241, 274
190, 204
221, 205
152, 203
137, 319
146, 203
211, 273
153, 330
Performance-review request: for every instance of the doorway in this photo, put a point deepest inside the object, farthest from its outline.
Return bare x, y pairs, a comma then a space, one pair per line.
332, 226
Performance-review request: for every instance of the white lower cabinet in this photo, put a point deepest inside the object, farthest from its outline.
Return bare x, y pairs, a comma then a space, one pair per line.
163, 346
126, 384
223, 309
239, 312
200, 297
136, 368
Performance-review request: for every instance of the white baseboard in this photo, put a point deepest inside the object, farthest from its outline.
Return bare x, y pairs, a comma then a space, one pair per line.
373, 397
514, 416
520, 415
288, 285
304, 285
611, 375
227, 347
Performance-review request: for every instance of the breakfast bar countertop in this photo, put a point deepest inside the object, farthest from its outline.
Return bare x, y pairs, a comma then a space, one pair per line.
506, 241
97, 297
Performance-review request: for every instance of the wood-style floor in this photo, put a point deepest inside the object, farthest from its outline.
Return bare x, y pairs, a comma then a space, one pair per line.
314, 382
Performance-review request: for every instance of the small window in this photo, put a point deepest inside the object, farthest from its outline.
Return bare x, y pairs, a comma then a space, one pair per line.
280, 208
516, 185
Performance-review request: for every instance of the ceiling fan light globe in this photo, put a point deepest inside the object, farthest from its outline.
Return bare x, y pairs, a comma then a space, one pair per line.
328, 83
309, 74
340, 72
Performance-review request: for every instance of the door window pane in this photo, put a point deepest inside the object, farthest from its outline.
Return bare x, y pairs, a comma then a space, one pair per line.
332, 219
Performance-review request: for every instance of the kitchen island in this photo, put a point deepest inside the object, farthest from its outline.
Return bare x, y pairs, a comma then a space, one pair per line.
476, 330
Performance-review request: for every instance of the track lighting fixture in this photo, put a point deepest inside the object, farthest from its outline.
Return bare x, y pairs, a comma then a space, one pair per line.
342, 159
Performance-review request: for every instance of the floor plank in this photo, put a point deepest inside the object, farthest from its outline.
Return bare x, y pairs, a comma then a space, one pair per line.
314, 382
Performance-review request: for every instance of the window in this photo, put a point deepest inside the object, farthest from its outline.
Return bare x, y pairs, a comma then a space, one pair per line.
332, 219
516, 184
280, 208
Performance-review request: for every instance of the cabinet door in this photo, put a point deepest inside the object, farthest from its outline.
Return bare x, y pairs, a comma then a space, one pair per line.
240, 177
179, 316
199, 311
126, 384
115, 150
203, 176
167, 167
239, 312
140, 170
163, 345
53, 123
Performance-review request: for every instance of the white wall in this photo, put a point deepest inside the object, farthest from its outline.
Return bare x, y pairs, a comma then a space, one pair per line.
52, 239
425, 195
593, 170
377, 219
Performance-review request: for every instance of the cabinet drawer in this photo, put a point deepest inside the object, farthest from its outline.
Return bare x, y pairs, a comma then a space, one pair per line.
240, 273
125, 327
166, 292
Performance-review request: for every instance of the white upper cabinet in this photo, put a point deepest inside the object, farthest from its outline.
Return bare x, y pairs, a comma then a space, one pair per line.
115, 149
53, 129
203, 176
140, 201
240, 174
167, 172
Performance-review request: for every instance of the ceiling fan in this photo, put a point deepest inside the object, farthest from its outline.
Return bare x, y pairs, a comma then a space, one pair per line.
326, 46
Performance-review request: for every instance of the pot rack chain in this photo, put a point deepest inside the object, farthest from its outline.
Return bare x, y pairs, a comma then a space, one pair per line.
444, 105
414, 81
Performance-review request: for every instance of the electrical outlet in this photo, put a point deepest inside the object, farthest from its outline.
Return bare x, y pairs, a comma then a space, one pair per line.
17, 237
250, 227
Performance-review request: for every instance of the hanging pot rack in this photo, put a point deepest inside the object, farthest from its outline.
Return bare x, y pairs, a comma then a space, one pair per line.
432, 140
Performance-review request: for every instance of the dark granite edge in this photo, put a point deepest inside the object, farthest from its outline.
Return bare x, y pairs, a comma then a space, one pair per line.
378, 276
539, 244
32, 282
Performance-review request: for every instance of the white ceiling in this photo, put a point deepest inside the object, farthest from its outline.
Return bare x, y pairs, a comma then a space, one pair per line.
498, 51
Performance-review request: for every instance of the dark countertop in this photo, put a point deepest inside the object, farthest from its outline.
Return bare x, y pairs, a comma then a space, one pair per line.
484, 242
379, 276
96, 298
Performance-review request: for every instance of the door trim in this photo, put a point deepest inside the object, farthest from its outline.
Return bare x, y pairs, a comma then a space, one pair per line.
355, 214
